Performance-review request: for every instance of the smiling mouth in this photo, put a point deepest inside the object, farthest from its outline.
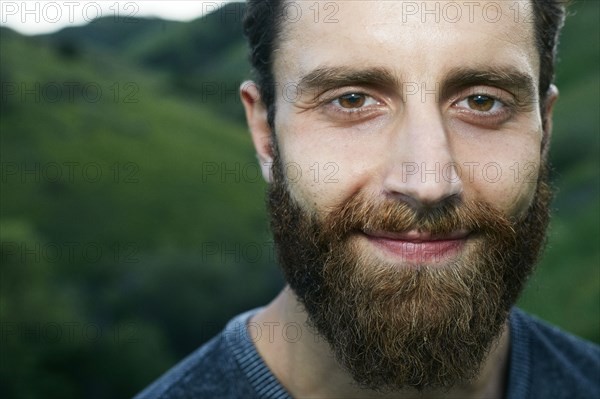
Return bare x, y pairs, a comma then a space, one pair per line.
416, 247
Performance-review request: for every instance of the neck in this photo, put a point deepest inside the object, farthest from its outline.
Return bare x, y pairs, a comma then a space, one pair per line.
304, 363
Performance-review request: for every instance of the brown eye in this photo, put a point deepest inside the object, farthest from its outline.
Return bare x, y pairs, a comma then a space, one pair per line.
481, 103
352, 100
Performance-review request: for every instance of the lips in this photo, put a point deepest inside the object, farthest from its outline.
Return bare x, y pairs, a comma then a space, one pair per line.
418, 247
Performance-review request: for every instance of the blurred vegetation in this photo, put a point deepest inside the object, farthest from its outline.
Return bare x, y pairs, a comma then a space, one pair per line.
145, 245
566, 288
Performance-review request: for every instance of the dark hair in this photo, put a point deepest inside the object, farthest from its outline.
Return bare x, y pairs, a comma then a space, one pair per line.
262, 24
264, 18
549, 19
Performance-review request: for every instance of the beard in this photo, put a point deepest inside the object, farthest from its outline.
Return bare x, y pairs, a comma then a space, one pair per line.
395, 325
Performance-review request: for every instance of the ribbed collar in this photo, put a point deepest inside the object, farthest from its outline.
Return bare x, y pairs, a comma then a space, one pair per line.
250, 362
519, 372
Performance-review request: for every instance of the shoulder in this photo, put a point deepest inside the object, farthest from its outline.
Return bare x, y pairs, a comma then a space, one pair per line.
560, 364
210, 371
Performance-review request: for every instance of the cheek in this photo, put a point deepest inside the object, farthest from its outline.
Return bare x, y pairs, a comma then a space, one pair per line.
322, 168
504, 174
523, 179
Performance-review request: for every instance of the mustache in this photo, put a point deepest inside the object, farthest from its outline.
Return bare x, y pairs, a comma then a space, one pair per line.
363, 213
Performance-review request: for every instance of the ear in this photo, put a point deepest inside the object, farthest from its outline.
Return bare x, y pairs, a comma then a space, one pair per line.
256, 117
551, 97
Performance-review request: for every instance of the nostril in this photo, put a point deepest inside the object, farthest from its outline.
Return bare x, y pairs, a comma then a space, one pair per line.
414, 203
421, 203
420, 184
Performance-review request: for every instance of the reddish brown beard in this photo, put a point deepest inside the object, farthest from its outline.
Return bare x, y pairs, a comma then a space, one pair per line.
392, 326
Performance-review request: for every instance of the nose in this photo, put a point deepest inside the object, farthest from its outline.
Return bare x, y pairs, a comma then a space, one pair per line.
420, 165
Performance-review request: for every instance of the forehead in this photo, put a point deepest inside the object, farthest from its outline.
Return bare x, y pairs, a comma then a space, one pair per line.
413, 40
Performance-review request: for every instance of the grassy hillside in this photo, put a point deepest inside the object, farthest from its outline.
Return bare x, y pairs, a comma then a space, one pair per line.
132, 219
132, 223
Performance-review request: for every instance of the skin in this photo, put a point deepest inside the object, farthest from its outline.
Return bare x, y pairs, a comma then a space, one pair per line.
377, 149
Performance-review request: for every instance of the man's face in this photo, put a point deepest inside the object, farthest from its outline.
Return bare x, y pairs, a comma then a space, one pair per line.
405, 200
408, 134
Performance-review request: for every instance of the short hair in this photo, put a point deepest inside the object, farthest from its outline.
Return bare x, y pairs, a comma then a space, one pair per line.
263, 23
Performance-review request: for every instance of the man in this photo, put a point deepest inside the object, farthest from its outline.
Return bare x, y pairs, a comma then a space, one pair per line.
404, 237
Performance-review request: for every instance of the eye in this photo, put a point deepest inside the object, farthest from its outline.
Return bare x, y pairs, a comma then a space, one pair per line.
351, 105
481, 103
484, 109
353, 101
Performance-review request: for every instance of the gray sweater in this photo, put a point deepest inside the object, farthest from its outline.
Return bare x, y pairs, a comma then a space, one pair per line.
545, 362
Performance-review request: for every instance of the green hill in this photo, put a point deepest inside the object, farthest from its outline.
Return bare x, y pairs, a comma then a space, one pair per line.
119, 35
204, 59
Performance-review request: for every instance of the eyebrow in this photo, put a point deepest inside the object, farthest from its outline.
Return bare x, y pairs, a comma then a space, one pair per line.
326, 78
509, 78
